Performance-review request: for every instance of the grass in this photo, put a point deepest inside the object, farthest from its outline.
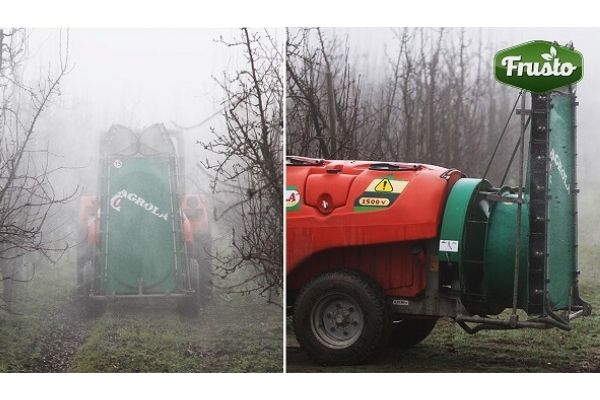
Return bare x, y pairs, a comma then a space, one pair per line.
450, 349
232, 334
152, 338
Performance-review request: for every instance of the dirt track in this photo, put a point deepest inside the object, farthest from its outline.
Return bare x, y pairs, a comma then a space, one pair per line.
51, 334
63, 333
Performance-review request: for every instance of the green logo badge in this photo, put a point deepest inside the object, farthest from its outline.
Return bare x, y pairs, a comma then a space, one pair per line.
539, 66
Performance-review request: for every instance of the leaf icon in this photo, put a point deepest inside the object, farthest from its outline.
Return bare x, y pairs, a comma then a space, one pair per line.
547, 57
553, 51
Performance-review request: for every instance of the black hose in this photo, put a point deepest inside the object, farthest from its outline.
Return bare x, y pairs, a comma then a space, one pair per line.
487, 169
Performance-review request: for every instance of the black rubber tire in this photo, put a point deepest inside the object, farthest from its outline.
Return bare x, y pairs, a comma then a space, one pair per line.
205, 284
201, 279
83, 258
205, 271
367, 296
91, 308
410, 332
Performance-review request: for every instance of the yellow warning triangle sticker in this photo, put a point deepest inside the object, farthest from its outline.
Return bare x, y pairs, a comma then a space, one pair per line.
384, 186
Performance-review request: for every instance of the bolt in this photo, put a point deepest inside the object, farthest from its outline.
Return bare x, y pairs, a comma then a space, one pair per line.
337, 305
345, 333
332, 329
328, 315
354, 322
351, 309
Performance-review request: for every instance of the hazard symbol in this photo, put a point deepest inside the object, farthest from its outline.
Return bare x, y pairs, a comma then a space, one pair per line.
384, 186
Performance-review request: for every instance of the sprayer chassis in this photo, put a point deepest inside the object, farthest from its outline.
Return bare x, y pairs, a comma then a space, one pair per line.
414, 242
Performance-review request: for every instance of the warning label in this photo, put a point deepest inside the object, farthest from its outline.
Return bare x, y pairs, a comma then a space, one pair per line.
380, 193
449, 246
386, 185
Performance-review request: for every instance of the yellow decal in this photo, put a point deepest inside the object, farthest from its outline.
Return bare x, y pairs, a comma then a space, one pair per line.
386, 185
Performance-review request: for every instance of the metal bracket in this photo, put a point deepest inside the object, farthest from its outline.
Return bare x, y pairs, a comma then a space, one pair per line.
501, 199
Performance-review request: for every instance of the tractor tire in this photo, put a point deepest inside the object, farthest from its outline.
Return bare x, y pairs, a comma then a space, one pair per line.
82, 260
410, 332
91, 308
201, 279
205, 284
341, 318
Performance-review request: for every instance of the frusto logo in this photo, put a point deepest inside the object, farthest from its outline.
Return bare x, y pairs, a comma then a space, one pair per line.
539, 66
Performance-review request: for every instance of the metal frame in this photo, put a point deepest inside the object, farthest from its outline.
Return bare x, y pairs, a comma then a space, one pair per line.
435, 304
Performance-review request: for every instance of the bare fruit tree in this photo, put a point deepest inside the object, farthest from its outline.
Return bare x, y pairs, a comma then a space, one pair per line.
430, 99
28, 199
248, 173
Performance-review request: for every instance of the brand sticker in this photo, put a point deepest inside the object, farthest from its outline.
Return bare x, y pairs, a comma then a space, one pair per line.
555, 159
116, 200
539, 66
400, 302
292, 199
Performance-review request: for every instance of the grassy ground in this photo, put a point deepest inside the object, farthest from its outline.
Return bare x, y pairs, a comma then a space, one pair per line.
450, 349
234, 334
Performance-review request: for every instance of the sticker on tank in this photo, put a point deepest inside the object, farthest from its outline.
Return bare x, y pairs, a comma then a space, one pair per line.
380, 193
292, 199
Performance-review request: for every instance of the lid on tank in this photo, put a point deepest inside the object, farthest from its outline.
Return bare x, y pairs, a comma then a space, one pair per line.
153, 140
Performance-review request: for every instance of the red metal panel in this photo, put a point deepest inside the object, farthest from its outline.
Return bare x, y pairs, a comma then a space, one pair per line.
374, 240
393, 266
336, 186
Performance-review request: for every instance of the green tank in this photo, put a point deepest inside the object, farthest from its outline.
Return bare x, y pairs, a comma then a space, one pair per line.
521, 253
140, 247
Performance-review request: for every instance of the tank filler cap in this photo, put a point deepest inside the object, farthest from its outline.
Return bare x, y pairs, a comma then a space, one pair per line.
325, 203
334, 169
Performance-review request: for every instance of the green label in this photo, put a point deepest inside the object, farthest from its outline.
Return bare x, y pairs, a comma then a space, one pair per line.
538, 66
292, 198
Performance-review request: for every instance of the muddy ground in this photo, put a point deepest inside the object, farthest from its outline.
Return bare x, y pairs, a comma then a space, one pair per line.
450, 349
51, 333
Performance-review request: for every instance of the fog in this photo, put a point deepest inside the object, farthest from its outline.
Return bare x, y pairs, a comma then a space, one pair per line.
135, 78
132, 77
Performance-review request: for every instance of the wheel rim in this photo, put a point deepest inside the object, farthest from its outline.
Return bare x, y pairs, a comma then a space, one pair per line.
337, 321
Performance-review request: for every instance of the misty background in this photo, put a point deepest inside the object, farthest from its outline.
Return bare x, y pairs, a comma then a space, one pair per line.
132, 77
368, 47
222, 89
